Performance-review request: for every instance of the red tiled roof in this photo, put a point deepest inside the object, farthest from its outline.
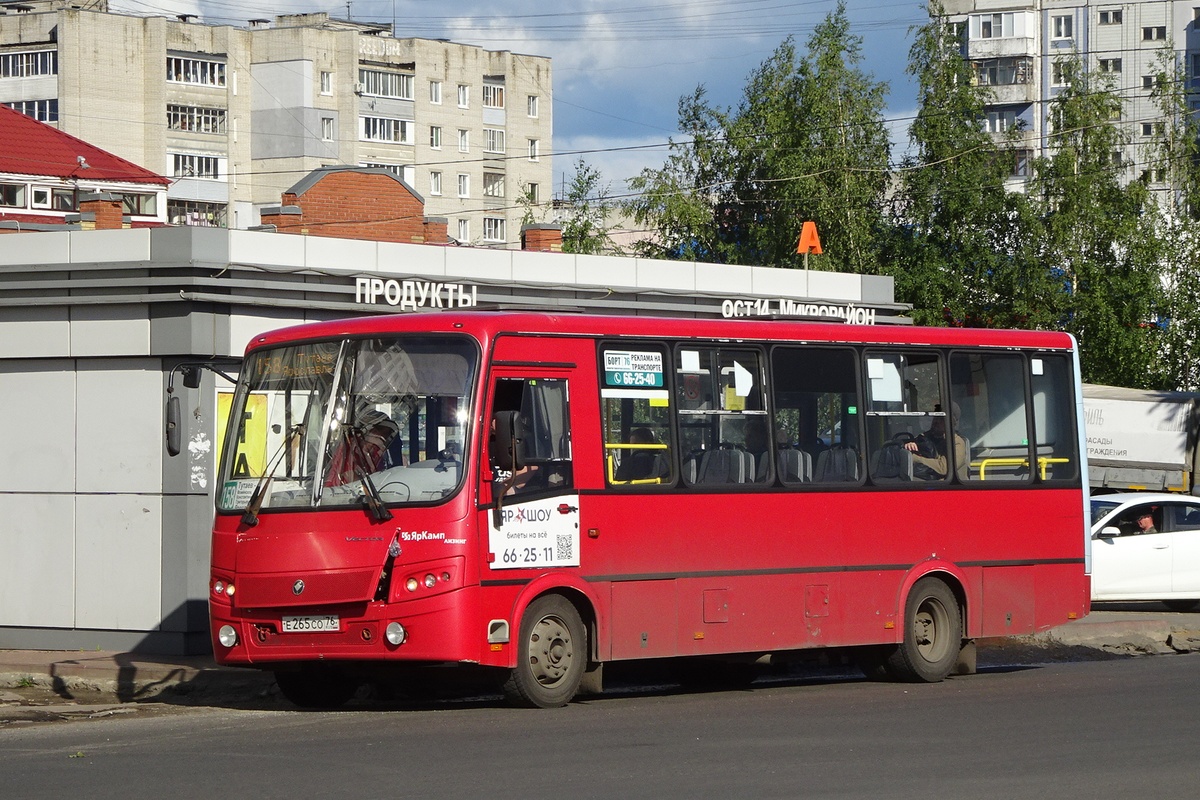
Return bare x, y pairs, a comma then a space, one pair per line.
29, 147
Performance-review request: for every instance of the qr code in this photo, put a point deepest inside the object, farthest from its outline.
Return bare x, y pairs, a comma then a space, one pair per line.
562, 550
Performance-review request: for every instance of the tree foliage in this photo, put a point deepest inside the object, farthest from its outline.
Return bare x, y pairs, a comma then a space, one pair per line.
586, 224
807, 141
974, 230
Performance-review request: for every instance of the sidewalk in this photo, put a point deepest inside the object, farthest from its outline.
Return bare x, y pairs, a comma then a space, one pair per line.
1118, 630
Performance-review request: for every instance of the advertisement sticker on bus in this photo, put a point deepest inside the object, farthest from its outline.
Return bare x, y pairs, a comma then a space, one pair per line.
536, 534
633, 368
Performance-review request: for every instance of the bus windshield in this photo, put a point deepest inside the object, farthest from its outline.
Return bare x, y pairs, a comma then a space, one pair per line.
339, 423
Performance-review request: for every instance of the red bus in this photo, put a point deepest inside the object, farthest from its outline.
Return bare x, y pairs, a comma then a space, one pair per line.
542, 494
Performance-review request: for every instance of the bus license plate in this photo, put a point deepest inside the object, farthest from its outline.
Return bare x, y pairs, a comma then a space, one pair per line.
326, 622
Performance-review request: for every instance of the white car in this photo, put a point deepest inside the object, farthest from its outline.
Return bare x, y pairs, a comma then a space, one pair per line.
1146, 547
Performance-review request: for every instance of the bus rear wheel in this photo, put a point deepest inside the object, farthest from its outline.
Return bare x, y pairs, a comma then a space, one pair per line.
932, 634
551, 655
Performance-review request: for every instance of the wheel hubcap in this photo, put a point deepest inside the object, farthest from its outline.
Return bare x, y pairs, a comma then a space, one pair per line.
550, 650
929, 620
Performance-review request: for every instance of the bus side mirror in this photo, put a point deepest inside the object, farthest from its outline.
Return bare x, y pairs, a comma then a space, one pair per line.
174, 431
507, 453
191, 376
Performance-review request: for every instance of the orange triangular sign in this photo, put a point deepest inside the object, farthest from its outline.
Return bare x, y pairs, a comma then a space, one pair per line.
809, 241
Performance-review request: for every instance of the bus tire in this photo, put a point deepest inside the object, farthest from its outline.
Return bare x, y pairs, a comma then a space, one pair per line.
551, 655
316, 686
932, 634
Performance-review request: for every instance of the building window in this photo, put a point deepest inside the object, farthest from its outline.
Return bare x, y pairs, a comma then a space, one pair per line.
493, 184
1110, 65
464, 140
991, 26
1003, 71
1116, 158
1021, 163
535, 147
1154, 34
493, 140
1196, 65
1001, 120
464, 185
435, 92
41, 110
386, 129
1058, 73
189, 165
1111, 17
192, 212
1155, 175
435, 137
464, 96
327, 130
493, 229
394, 169
533, 193
435, 182
531, 105
141, 205
1148, 81
1061, 27
493, 96
326, 83
1153, 129
28, 64
12, 195
195, 119
386, 84
196, 71
464, 230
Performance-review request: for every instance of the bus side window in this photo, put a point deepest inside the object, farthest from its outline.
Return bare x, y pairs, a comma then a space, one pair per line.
989, 391
636, 416
541, 433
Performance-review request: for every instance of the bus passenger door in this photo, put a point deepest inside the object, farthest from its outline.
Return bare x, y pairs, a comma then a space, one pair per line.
531, 503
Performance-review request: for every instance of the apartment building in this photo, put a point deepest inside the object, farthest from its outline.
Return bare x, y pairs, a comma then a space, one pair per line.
1017, 50
236, 115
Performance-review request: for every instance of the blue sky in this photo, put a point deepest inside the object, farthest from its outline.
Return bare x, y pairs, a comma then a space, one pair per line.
620, 66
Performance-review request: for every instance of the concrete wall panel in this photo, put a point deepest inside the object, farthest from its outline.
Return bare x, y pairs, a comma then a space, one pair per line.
118, 562
110, 331
119, 436
37, 564
37, 402
34, 332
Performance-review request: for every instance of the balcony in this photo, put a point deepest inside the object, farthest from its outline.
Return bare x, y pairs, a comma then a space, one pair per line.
1001, 48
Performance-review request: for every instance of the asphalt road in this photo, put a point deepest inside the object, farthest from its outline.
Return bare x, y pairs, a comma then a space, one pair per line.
1117, 728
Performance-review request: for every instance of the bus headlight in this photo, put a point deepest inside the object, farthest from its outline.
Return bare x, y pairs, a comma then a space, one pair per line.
395, 633
227, 636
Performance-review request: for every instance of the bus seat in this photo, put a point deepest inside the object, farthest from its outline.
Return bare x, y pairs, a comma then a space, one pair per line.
795, 466
726, 465
839, 463
892, 462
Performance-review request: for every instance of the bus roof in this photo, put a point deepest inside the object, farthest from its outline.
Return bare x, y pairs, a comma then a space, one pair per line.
489, 324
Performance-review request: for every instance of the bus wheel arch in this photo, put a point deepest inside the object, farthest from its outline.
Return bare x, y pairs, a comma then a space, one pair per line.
553, 651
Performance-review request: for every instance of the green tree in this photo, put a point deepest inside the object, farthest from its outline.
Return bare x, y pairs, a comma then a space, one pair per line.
679, 201
960, 251
1094, 237
806, 142
585, 229
1173, 163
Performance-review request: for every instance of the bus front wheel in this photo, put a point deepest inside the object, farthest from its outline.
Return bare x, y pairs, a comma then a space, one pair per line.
932, 634
551, 656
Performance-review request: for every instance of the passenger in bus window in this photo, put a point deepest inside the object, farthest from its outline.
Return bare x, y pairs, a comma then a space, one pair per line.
523, 480
641, 464
929, 449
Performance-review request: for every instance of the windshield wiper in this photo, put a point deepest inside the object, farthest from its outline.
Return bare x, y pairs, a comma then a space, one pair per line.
250, 515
